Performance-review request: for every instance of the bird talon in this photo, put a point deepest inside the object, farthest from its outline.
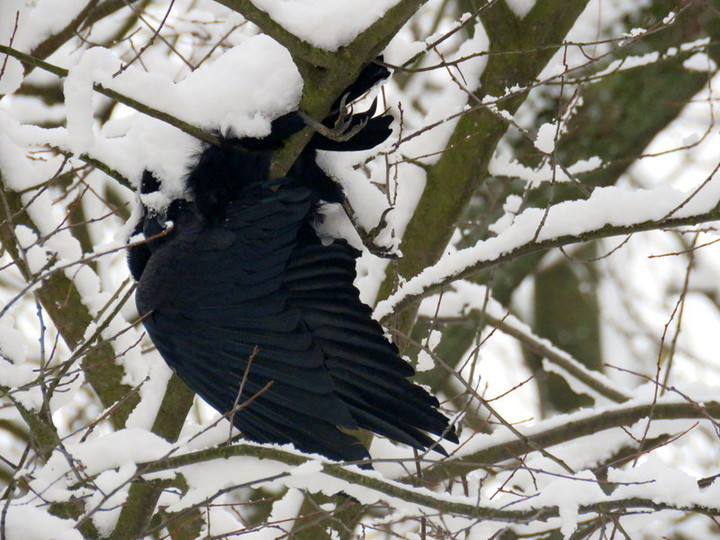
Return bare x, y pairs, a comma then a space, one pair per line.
343, 129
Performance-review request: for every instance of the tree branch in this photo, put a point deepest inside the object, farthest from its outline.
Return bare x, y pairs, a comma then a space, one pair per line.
494, 454
62, 301
594, 380
190, 129
571, 430
428, 281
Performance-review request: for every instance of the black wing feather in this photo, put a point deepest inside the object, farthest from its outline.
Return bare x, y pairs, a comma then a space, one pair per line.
242, 294
364, 365
273, 292
232, 299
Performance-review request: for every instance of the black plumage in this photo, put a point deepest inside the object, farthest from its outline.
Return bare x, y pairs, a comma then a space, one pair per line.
242, 287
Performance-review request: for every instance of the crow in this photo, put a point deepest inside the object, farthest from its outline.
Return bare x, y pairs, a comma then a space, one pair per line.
258, 315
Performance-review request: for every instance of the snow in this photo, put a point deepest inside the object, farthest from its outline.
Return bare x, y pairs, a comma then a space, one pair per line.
283, 512
260, 82
577, 386
520, 7
669, 18
659, 482
19, 172
309, 468
613, 206
359, 186
700, 62
111, 458
316, 21
545, 140
568, 494
207, 478
12, 75
110, 495
11, 341
79, 96
19, 376
24, 522
425, 361
110, 450
701, 43
154, 383
259, 70
34, 24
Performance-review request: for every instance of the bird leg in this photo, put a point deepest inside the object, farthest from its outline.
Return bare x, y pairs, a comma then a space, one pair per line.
369, 238
343, 129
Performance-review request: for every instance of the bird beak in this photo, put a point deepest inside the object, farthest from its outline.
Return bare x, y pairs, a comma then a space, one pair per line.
156, 224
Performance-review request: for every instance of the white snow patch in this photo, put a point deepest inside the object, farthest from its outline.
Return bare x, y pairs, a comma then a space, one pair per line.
17, 376
283, 511
12, 75
12, 346
700, 62
35, 20
308, 468
629, 62
656, 480
152, 392
511, 208
635, 32
259, 83
545, 140
568, 494
116, 482
206, 478
111, 450
425, 360
25, 521
503, 165
327, 24
520, 7
79, 95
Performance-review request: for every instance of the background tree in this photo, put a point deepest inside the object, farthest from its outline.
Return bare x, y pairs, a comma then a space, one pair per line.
550, 185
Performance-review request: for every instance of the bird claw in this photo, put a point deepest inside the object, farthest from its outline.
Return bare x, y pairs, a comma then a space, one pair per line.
343, 130
369, 240
382, 251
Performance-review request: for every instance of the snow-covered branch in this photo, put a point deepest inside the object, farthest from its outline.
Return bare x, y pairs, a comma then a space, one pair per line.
608, 212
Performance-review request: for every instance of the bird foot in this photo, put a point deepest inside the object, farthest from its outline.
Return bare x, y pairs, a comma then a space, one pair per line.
371, 237
343, 130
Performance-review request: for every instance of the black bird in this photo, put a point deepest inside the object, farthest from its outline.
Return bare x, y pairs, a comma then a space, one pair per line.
245, 302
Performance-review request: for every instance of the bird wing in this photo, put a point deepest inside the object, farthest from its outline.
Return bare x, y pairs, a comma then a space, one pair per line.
220, 314
259, 303
366, 369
